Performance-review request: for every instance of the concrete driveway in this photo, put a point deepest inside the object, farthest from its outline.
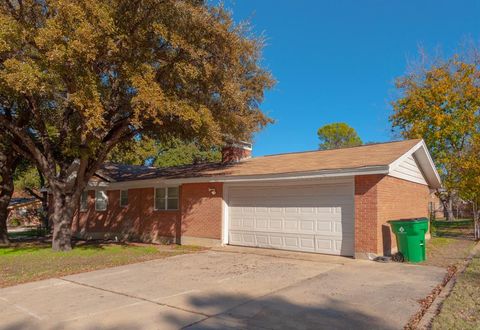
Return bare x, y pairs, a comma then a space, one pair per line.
225, 288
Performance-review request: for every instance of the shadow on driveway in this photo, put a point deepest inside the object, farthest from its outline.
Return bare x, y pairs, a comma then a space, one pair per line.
278, 313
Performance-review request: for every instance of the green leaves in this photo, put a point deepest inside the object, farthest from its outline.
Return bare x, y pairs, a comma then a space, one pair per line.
102, 71
337, 135
441, 105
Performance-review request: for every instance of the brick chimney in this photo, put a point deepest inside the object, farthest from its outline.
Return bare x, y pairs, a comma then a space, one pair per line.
234, 152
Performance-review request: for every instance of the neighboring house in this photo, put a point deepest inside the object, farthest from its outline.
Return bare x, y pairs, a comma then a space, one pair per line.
332, 201
24, 211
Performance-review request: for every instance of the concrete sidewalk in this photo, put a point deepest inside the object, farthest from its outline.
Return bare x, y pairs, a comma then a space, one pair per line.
234, 288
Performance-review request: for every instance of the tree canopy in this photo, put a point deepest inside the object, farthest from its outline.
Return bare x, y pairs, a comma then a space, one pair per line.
147, 151
77, 77
440, 103
338, 135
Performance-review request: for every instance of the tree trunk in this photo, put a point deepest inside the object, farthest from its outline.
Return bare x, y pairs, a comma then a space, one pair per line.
447, 203
476, 220
450, 215
6, 191
8, 163
64, 207
3, 224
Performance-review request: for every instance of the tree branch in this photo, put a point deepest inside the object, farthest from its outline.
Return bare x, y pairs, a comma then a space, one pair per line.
40, 123
33, 153
33, 193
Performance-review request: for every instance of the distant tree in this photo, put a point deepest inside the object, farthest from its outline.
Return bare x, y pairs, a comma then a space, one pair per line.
338, 135
440, 103
146, 151
87, 75
178, 153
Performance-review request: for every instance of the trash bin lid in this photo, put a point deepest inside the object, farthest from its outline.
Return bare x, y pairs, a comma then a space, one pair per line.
410, 220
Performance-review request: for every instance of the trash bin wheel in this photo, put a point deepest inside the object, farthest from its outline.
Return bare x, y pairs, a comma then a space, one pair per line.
398, 257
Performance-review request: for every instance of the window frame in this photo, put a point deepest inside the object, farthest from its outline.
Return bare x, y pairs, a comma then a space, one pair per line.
106, 200
84, 199
166, 198
120, 202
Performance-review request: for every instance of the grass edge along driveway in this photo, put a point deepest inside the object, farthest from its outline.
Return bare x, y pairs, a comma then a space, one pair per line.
461, 309
26, 262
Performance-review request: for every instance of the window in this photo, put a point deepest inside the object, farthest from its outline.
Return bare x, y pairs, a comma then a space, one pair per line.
84, 201
123, 198
166, 198
101, 200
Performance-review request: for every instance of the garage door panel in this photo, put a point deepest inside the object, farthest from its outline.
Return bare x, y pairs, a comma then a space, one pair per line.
261, 224
307, 225
307, 243
314, 218
276, 241
323, 226
248, 223
291, 210
275, 224
236, 222
292, 242
324, 244
291, 225
262, 240
262, 210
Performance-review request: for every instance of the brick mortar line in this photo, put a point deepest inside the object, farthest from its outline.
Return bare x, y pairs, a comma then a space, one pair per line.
133, 297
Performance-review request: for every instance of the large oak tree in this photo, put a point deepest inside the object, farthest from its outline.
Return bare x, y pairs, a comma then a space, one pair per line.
90, 74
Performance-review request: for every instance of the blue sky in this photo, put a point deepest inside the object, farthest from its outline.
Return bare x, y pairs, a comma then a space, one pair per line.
336, 61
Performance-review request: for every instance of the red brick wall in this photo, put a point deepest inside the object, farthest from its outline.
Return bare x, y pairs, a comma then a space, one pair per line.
202, 211
379, 198
398, 199
199, 215
138, 220
366, 213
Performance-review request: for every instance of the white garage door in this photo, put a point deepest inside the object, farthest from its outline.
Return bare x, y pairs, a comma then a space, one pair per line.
313, 218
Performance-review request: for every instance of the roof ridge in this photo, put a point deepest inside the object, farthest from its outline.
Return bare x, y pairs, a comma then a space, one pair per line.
335, 149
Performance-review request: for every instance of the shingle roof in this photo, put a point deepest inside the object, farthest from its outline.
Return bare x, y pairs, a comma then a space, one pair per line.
380, 154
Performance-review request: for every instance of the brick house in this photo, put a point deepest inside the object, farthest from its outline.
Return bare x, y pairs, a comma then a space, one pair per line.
333, 201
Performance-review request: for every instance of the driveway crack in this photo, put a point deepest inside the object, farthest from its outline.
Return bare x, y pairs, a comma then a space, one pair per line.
134, 297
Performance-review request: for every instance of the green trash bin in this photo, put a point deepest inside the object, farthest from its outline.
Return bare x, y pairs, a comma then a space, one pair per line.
410, 234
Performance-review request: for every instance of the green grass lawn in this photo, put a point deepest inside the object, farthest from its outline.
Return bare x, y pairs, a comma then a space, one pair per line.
450, 244
31, 261
461, 309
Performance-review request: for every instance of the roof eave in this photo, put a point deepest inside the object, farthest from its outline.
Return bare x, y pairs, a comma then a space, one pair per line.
367, 170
